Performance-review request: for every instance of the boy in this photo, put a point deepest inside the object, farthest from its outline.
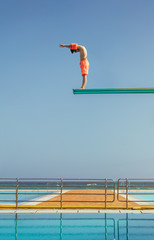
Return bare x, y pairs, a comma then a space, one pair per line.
84, 64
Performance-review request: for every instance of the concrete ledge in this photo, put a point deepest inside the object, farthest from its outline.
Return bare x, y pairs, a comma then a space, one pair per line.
76, 211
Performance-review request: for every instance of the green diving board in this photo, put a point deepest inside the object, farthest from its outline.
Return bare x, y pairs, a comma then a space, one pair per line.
113, 90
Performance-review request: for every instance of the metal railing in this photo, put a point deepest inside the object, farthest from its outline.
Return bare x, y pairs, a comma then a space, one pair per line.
56, 193
128, 228
140, 191
75, 193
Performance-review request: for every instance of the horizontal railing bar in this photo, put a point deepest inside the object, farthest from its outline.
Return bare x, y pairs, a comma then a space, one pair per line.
34, 187
63, 186
136, 201
54, 179
19, 193
8, 200
7, 186
88, 201
12, 179
93, 194
64, 179
137, 193
33, 179
87, 187
137, 187
37, 201
60, 201
8, 193
87, 179
136, 179
28, 191
59, 194
55, 187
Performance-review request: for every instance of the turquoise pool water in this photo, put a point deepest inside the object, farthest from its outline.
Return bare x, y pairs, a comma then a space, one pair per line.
145, 197
9, 197
77, 227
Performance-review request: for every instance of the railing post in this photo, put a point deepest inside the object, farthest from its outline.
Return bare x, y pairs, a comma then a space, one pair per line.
105, 191
114, 190
127, 193
61, 192
117, 189
17, 193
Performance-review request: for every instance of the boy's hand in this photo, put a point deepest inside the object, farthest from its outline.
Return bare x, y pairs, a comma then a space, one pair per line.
63, 45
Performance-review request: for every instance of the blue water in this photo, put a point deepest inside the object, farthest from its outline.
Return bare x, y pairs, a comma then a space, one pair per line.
10, 196
77, 227
145, 197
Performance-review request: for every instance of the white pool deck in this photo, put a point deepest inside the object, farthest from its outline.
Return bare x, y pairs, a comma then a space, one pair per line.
76, 211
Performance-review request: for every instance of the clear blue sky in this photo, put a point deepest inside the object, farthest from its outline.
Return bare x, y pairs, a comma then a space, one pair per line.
46, 131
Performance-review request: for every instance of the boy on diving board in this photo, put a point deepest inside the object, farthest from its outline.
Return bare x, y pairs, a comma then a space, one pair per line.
84, 64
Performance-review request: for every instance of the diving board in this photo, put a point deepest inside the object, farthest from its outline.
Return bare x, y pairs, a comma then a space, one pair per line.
113, 91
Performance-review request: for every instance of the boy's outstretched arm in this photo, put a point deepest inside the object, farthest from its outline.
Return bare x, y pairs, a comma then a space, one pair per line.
64, 45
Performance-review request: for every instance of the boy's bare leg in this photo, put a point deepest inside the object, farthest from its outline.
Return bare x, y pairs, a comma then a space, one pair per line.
84, 81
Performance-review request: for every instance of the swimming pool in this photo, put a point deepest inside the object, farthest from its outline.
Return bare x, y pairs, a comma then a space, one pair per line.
26, 196
147, 198
77, 227
140, 197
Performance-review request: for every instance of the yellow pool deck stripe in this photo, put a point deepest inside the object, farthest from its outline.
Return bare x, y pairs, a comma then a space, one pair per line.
75, 207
